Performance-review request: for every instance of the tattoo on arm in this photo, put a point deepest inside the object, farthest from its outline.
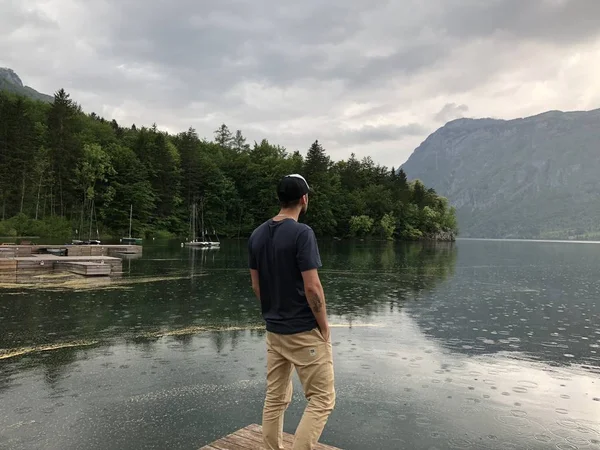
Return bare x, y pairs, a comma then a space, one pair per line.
315, 301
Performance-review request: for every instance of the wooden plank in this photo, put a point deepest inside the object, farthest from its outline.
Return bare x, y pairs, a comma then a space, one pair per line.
97, 251
228, 443
246, 439
46, 263
84, 268
255, 432
287, 438
250, 437
74, 251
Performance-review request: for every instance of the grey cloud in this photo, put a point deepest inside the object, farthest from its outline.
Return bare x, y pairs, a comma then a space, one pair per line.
215, 45
450, 111
373, 134
561, 22
280, 47
15, 15
390, 54
368, 71
287, 47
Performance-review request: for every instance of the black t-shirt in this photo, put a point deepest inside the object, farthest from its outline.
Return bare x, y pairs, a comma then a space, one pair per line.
281, 251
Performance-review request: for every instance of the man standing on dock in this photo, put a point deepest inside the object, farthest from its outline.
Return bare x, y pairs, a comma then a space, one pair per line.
284, 258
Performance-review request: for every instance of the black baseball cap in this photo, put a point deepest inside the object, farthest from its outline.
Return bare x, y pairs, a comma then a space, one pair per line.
292, 187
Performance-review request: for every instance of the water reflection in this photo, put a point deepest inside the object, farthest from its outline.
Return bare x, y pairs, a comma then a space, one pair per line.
366, 280
538, 301
396, 388
215, 293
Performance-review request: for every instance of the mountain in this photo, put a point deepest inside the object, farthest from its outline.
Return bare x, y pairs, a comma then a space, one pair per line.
10, 81
534, 177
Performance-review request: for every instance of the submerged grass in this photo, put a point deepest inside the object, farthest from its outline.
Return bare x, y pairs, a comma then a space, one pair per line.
61, 282
20, 351
14, 352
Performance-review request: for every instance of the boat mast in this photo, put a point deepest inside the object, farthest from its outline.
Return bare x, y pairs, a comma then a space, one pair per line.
91, 219
191, 222
194, 222
130, 216
202, 213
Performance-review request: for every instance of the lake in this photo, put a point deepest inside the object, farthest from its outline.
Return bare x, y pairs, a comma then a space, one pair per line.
471, 345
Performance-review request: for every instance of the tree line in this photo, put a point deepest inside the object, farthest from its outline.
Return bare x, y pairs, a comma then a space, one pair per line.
68, 174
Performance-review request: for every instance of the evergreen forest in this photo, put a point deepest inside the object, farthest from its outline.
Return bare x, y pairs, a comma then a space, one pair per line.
67, 174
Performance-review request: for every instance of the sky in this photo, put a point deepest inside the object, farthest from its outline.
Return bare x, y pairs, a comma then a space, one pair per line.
370, 77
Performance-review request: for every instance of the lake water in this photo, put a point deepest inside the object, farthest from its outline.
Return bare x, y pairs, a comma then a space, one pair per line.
476, 345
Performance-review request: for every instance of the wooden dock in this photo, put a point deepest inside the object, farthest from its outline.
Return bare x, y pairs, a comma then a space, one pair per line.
89, 269
14, 268
14, 251
24, 261
250, 438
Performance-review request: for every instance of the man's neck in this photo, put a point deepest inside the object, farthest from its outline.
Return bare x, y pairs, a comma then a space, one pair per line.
285, 213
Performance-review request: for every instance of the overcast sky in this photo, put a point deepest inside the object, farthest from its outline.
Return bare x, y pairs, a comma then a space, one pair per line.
366, 76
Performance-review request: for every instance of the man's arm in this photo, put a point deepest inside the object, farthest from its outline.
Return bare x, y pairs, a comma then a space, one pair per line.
316, 299
253, 269
309, 260
255, 284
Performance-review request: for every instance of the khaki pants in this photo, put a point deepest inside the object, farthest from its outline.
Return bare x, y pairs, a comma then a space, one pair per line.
312, 357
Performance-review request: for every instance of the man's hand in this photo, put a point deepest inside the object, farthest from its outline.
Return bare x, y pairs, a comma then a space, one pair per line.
326, 332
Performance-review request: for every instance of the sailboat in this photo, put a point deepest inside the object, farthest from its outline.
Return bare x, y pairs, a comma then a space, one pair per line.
203, 241
90, 241
131, 240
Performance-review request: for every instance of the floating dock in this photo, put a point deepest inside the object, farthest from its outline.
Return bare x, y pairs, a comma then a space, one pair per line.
250, 438
13, 269
12, 250
87, 268
19, 262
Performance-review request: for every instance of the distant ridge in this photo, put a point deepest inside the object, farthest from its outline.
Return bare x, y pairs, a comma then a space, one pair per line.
11, 82
531, 177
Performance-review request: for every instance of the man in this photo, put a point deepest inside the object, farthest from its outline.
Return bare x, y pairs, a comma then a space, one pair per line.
284, 258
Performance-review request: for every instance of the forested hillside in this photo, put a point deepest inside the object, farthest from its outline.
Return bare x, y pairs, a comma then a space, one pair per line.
64, 173
534, 177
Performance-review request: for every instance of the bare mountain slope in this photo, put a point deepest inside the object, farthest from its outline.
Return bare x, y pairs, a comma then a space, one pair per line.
532, 177
10, 81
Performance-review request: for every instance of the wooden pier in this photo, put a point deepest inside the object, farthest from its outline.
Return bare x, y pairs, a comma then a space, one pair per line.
12, 250
19, 262
250, 438
13, 269
87, 268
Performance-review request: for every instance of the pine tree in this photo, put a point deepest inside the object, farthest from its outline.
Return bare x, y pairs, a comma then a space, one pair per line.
402, 178
223, 136
317, 164
65, 151
419, 194
239, 142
